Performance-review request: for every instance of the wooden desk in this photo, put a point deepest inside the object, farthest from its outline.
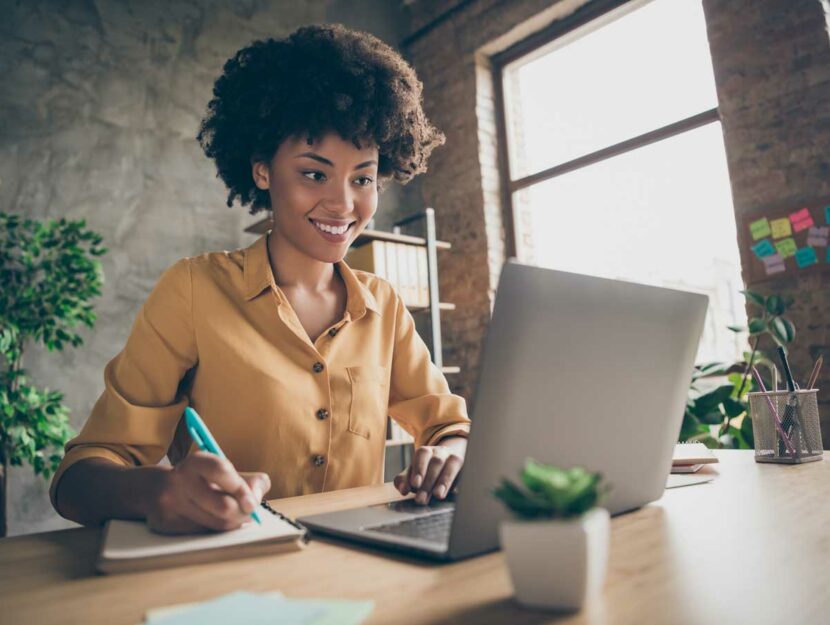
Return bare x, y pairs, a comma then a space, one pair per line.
752, 547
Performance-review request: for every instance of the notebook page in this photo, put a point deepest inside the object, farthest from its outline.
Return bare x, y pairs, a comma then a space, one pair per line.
133, 539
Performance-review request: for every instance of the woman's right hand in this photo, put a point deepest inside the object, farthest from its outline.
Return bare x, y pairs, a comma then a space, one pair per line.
204, 492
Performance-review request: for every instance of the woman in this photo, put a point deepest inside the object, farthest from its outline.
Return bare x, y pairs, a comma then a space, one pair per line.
292, 359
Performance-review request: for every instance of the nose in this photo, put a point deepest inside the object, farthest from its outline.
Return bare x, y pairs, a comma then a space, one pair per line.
339, 199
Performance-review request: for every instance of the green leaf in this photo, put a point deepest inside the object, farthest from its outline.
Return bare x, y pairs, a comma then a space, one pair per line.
775, 305
737, 329
782, 331
747, 432
715, 397
754, 297
733, 408
757, 325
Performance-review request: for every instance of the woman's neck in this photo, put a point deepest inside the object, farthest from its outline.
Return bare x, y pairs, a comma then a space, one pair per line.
294, 270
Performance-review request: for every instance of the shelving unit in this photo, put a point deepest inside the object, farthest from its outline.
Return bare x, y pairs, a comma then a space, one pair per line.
425, 220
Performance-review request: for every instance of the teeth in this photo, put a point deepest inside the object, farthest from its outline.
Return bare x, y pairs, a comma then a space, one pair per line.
331, 229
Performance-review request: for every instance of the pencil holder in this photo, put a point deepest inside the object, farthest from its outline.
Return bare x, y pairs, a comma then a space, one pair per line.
786, 426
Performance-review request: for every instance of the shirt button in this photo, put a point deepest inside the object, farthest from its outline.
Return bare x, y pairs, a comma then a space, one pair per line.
318, 367
322, 414
318, 460
333, 332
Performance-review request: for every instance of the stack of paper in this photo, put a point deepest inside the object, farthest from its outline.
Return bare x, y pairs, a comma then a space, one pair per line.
269, 608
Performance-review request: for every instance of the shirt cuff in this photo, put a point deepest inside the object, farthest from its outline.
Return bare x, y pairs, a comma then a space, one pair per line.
453, 429
80, 453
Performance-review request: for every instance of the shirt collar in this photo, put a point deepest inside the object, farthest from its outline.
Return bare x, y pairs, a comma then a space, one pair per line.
257, 276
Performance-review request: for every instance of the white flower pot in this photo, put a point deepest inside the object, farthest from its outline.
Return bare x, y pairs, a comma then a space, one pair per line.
556, 563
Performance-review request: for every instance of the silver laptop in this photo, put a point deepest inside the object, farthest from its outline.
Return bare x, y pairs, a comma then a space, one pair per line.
576, 370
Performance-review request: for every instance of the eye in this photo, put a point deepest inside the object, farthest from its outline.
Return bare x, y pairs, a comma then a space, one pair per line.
368, 180
313, 173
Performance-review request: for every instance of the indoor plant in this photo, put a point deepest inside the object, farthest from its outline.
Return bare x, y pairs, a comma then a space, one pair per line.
718, 391
556, 545
48, 271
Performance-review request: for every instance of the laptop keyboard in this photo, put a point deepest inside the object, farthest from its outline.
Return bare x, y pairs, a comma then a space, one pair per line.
431, 527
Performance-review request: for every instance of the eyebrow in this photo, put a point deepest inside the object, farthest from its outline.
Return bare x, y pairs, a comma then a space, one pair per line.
326, 161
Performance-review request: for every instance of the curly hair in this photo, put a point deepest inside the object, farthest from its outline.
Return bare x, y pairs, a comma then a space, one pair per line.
320, 79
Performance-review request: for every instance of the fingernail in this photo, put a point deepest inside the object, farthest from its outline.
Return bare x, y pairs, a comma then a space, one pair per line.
422, 497
250, 504
416, 481
440, 492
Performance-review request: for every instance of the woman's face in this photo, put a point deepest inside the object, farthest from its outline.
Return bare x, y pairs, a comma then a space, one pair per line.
323, 194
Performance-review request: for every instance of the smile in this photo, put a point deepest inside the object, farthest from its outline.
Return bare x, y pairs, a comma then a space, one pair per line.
332, 229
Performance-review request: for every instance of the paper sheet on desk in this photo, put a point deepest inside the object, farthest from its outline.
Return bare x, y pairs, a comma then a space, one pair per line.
271, 608
677, 480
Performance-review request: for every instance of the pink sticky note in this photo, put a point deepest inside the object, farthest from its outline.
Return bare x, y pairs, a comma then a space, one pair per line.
801, 220
817, 237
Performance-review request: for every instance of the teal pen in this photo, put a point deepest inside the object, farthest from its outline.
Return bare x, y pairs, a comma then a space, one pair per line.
204, 439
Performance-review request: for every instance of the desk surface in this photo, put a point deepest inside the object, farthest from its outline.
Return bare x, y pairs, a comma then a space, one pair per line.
750, 547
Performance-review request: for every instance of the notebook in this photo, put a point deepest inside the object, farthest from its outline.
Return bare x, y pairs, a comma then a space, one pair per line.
689, 457
132, 546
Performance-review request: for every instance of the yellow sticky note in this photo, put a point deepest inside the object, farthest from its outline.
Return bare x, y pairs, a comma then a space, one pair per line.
780, 228
786, 247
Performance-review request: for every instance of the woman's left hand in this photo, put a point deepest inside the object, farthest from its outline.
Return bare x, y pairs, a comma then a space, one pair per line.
434, 470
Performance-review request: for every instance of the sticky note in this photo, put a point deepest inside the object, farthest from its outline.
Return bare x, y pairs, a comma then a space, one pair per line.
772, 259
827, 214
780, 228
786, 247
776, 267
764, 248
817, 237
759, 229
801, 220
805, 257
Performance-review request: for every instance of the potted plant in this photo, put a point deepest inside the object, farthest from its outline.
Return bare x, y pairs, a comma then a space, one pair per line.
556, 545
48, 271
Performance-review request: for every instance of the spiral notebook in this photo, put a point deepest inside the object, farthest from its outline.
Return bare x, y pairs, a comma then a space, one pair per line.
132, 546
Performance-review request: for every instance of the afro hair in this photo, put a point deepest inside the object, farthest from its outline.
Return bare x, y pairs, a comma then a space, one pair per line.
320, 79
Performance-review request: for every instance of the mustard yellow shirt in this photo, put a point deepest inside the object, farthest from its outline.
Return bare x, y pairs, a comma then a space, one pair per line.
218, 334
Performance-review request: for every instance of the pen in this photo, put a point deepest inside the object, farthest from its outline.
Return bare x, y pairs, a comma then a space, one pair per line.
790, 420
775, 418
203, 438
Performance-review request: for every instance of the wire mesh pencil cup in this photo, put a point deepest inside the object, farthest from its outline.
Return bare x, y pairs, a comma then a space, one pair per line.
786, 426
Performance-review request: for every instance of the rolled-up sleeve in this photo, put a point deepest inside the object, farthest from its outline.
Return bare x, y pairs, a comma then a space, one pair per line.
420, 398
134, 420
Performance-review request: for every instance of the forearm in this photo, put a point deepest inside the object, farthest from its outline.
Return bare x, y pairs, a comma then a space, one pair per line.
95, 489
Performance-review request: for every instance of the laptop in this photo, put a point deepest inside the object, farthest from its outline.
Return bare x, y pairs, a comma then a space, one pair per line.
576, 370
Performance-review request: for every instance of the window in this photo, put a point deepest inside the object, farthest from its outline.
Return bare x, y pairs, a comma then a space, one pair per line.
616, 159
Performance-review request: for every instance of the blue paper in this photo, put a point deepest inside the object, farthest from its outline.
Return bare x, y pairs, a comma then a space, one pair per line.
763, 248
246, 608
805, 256
827, 215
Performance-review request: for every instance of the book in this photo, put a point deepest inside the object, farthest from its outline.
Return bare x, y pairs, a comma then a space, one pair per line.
132, 546
423, 277
370, 257
689, 454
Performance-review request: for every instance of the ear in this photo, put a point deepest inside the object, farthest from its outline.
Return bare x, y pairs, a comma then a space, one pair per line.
261, 174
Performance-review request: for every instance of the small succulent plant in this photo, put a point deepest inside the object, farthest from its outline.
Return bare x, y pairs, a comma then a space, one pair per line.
551, 492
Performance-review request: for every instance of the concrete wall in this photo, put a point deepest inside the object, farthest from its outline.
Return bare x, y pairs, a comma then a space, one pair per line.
99, 110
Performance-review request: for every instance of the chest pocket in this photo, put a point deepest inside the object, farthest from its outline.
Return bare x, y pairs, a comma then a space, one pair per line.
369, 401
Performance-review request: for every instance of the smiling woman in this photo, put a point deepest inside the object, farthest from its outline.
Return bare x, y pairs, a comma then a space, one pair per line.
292, 359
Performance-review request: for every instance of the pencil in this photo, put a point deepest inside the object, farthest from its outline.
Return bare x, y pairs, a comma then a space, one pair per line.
814, 375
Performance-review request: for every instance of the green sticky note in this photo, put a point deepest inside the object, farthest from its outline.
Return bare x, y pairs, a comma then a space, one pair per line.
786, 247
760, 229
828, 255
763, 249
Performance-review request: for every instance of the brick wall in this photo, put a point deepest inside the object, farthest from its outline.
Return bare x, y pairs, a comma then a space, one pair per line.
772, 68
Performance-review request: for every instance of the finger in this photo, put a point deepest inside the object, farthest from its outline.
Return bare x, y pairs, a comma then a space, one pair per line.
259, 483
196, 511
221, 472
419, 466
401, 482
218, 503
449, 473
436, 464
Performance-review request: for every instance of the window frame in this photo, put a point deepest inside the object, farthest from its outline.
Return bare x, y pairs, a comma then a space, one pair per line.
592, 15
